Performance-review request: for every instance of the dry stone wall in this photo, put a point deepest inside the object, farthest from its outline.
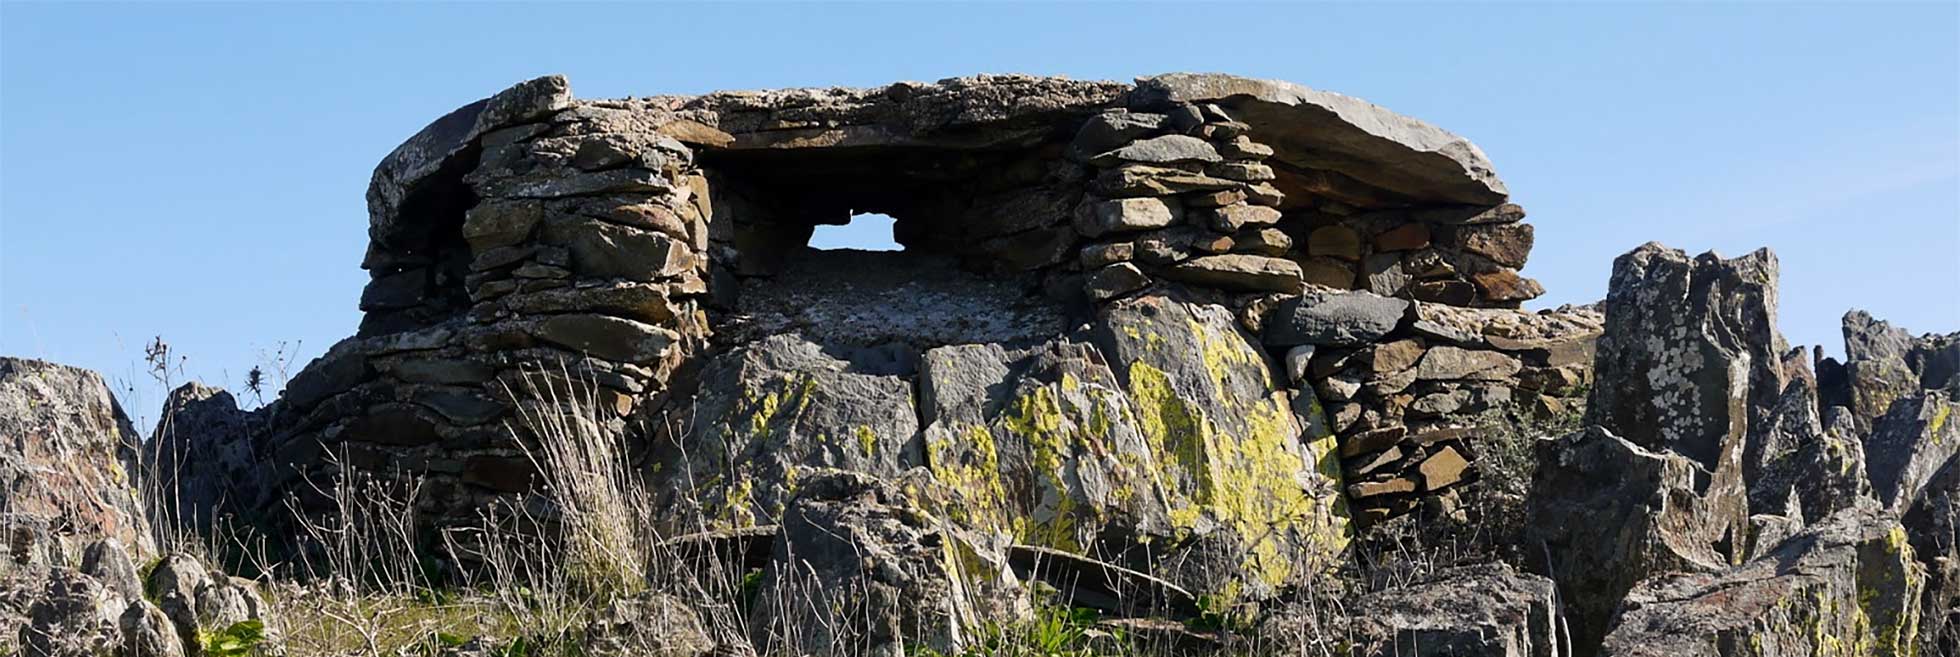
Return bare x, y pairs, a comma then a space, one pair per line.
1226, 315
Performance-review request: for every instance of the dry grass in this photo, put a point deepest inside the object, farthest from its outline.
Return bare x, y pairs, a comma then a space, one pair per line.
537, 571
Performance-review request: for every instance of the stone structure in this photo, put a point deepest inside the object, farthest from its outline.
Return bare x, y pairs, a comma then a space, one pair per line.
1198, 311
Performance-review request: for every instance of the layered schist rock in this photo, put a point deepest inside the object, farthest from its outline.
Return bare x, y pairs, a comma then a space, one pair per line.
1075, 341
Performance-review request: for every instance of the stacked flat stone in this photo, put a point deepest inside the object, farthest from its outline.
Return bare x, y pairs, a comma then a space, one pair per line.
1410, 386
1181, 195
577, 272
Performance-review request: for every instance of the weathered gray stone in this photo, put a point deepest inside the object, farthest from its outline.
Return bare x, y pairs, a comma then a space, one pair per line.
604, 250
147, 632
72, 617
1264, 494
1689, 357
1794, 459
204, 455
1114, 128
776, 407
858, 566
607, 337
1116, 280
1334, 319
1166, 149
1909, 445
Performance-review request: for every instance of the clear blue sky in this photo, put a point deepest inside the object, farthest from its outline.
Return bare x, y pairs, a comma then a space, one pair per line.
196, 171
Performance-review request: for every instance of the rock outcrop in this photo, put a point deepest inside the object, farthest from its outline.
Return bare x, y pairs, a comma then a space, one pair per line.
68, 456
1848, 586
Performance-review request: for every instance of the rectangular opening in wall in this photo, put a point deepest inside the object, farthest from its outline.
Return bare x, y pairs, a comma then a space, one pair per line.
865, 232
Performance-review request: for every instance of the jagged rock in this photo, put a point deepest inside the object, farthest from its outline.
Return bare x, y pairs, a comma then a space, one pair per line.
1337, 319
204, 455
73, 617
1793, 459
67, 452
147, 632
1909, 445
1484, 610
1611, 513
1884, 364
1689, 367
1691, 350
1932, 524
776, 407
109, 564
1847, 586
860, 567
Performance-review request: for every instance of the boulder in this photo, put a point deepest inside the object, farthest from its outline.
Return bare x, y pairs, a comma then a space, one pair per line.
770, 410
1044, 445
1848, 586
1254, 493
1909, 445
860, 568
1483, 610
67, 454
